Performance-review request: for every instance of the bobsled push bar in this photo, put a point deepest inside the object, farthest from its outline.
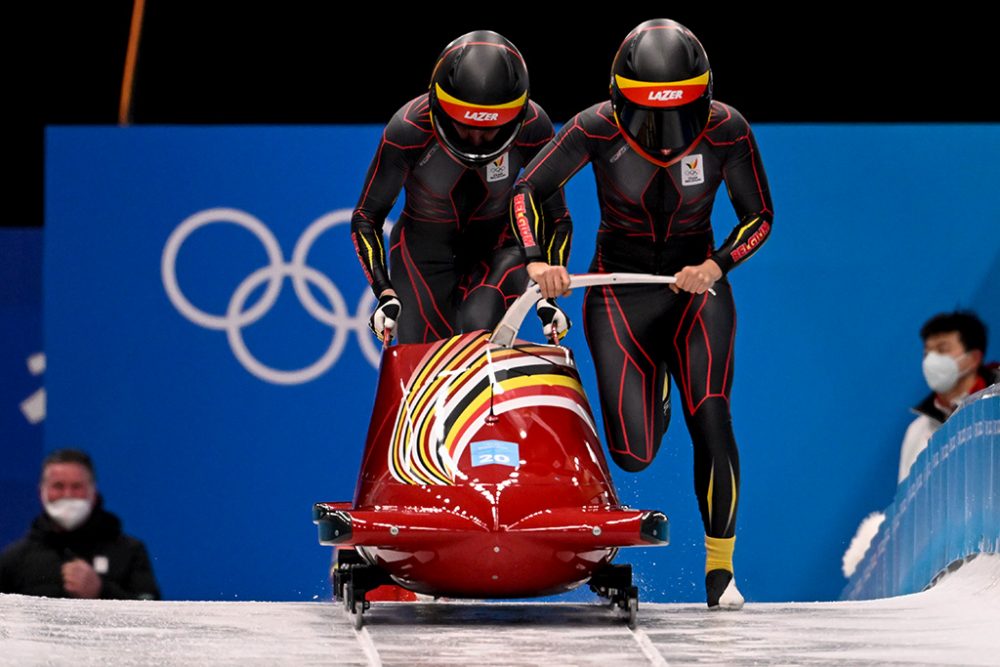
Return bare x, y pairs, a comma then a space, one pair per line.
506, 331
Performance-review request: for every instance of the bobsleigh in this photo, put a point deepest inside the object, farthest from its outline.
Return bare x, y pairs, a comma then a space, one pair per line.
483, 476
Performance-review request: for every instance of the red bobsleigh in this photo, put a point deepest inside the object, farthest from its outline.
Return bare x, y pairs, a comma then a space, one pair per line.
483, 476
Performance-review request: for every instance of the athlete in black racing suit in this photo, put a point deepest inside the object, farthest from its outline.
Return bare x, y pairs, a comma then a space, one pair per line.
457, 150
660, 150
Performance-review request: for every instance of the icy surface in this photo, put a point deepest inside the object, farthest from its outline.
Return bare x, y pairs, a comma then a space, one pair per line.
957, 623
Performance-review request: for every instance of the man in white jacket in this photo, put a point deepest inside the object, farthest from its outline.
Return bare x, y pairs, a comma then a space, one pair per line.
954, 349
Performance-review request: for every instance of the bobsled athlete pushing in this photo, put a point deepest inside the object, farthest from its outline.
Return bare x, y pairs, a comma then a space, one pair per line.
483, 476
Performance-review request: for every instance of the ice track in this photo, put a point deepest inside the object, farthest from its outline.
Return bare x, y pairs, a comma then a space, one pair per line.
955, 623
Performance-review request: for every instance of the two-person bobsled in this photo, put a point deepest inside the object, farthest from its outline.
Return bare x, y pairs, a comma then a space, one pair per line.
483, 476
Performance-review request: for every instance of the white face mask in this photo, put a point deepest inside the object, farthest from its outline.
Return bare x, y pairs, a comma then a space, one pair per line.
70, 513
941, 371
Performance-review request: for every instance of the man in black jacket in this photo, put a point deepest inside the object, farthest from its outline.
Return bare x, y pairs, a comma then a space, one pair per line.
75, 548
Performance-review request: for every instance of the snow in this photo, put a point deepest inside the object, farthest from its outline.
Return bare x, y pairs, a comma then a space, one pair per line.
860, 543
955, 622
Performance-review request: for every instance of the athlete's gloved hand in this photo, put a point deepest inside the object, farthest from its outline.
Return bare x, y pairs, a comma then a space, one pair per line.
555, 323
385, 316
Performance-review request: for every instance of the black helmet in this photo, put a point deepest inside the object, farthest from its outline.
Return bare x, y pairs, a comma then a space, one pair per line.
478, 96
661, 88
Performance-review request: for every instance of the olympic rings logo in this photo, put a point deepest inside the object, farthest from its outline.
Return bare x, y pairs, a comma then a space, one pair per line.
238, 316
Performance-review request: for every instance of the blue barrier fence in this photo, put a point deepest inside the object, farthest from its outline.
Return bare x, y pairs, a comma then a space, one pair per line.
945, 511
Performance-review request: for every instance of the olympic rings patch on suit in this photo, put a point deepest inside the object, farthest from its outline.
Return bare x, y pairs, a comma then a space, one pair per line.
237, 316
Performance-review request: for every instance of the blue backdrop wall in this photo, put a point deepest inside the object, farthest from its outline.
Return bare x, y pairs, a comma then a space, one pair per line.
221, 403
22, 367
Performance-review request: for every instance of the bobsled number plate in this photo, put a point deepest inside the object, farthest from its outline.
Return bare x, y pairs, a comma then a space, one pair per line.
495, 452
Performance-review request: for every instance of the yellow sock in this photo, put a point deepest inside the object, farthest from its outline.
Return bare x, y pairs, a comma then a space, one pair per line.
719, 553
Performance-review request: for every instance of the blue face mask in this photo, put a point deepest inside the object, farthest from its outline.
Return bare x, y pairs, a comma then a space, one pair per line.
941, 371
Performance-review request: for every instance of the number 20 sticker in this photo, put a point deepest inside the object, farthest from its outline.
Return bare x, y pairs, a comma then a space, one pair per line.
495, 452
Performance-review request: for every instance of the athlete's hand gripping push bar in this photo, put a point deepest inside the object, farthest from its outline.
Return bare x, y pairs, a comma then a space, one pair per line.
383, 320
506, 331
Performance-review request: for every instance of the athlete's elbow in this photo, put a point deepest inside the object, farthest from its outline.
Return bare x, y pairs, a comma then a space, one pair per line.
523, 186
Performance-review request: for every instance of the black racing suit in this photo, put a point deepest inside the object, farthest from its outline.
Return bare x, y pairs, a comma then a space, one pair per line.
456, 265
657, 219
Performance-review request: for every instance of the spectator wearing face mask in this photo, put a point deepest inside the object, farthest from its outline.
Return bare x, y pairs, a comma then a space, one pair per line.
954, 349
75, 548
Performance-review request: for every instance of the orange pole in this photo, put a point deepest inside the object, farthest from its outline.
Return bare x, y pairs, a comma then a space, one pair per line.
131, 56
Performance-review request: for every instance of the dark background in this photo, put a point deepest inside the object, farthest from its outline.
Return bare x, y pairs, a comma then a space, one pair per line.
305, 63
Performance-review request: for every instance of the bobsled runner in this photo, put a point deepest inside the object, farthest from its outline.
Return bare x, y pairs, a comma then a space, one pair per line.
483, 476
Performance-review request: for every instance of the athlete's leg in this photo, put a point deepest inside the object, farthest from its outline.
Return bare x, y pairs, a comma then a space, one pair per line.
624, 329
422, 270
701, 361
491, 288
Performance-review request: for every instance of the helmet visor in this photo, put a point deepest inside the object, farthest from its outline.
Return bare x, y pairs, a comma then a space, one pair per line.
476, 145
658, 130
476, 133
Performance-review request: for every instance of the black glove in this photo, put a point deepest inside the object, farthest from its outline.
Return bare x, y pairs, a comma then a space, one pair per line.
555, 323
385, 316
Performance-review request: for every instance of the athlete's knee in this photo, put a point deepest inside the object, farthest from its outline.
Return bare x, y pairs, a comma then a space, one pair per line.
633, 438
711, 428
628, 462
711, 415
716, 407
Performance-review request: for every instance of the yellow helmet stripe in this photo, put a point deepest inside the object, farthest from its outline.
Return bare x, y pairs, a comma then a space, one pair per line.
624, 82
451, 99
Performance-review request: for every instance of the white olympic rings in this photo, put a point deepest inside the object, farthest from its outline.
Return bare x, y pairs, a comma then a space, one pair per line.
337, 317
